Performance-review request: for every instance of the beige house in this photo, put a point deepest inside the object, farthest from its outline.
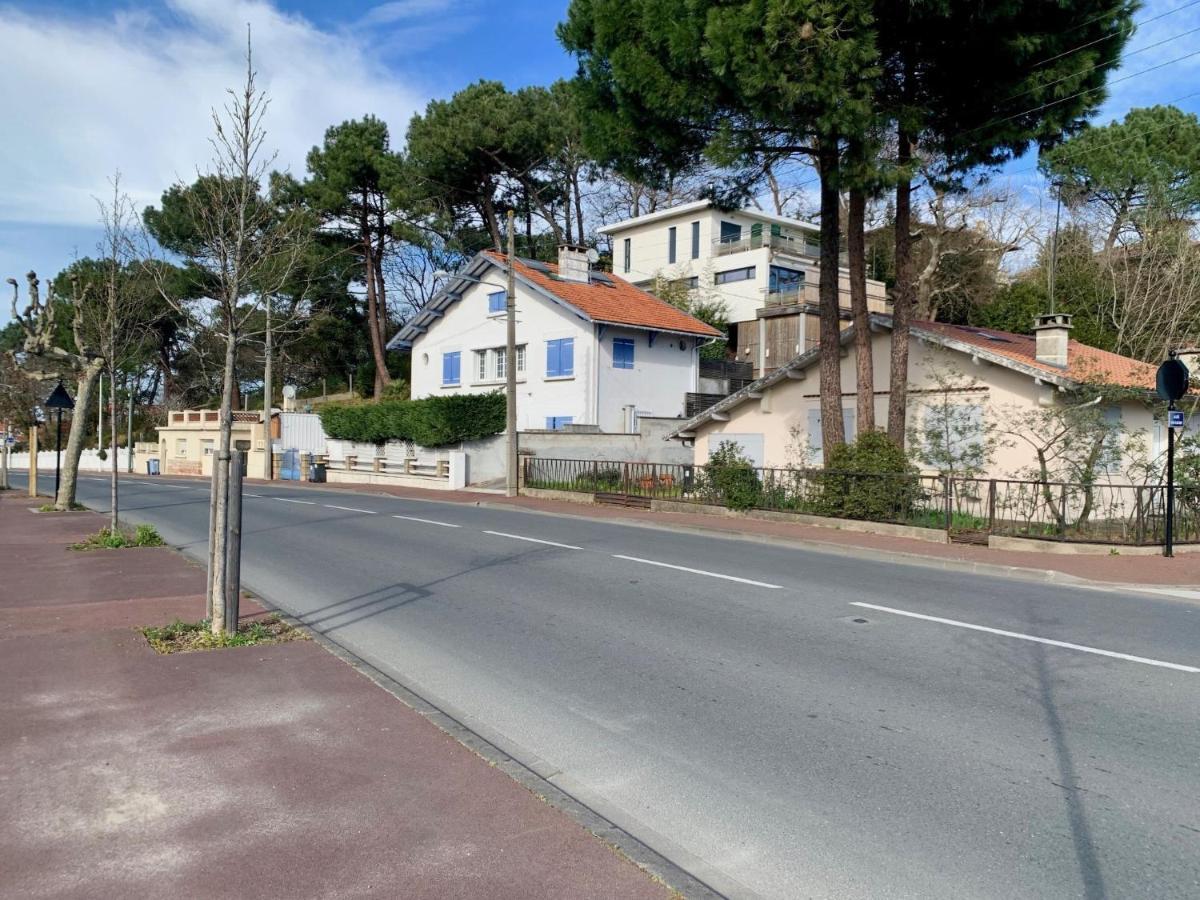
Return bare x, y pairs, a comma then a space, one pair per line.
990, 383
189, 441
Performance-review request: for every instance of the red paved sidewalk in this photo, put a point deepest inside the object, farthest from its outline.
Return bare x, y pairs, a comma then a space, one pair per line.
1181, 570
253, 772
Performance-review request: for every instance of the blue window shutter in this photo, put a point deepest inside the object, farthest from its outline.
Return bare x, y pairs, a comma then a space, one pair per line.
622, 353
497, 302
567, 356
552, 359
451, 370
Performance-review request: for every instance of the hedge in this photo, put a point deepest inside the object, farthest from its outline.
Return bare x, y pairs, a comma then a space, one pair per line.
431, 422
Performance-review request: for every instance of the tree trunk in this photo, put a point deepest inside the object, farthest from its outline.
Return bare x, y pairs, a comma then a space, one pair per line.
567, 213
833, 432
377, 350
578, 203
493, 225
268, 393
70, 462
114, 454
902, 299
218, 526
864, 366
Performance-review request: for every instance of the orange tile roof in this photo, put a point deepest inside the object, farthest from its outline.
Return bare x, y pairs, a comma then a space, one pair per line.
1084, 363
618, 303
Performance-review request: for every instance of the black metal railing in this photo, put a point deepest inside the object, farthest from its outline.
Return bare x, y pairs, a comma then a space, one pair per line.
1118, 514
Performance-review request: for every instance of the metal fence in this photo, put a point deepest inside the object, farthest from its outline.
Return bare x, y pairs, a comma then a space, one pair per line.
1119, 514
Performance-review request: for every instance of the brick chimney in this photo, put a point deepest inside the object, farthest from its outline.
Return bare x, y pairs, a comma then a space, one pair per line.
1053, 331
573, 263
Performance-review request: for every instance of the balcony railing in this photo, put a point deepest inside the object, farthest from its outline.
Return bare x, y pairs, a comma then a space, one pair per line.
780, 242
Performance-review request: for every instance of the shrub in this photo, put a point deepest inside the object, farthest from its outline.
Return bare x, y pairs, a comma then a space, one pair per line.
430, 422
730, 478
107, 539
870, 479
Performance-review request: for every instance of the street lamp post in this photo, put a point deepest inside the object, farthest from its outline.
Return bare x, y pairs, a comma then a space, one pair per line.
58, 400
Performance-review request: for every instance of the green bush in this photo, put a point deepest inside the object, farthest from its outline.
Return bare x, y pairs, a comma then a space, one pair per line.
730, 478
870, 479
431, 422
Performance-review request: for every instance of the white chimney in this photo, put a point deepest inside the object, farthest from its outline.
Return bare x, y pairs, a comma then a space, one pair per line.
573, 263
1053, 332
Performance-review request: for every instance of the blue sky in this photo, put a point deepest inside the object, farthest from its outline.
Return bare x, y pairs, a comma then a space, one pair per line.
105, 86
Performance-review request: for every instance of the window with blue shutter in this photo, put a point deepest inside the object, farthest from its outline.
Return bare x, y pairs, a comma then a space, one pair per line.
622, 353
452, 367
555, 423
496, 302
560, 357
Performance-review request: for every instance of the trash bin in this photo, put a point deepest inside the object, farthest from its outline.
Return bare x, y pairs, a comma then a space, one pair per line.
152, 467
316, 473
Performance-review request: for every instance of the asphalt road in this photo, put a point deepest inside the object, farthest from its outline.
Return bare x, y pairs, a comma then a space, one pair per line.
734, 705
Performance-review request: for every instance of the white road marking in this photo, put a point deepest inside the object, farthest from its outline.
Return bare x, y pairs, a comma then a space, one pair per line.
248, 494
427, 521
369, 512
1038, 640
653, 562
286, 500
517, 537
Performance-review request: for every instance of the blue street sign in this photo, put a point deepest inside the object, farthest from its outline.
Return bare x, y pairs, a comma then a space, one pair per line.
1174, 418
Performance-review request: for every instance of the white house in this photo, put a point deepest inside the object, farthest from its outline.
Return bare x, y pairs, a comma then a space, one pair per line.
592, 349
765, 268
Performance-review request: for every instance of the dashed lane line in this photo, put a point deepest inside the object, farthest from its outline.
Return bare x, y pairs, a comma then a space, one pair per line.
1178, 667
654, 562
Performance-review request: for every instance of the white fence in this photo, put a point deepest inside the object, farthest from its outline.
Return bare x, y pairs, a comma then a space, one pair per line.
89, 461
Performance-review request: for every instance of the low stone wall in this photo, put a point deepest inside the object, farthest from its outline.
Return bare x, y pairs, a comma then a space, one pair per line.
932, 535
567, 496
1074, 548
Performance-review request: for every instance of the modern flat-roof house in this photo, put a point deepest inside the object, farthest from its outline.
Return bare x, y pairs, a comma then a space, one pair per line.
992, 377
592, 349
765, 267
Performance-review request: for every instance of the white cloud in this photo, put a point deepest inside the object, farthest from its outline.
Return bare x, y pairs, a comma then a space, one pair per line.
134, 92
406, 10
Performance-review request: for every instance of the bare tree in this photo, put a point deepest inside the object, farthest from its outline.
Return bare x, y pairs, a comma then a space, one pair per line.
975, 226
119, 315
247, 249
45, 358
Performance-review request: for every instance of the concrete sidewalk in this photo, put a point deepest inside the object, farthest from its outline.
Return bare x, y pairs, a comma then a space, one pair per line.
274, 771
1181, 571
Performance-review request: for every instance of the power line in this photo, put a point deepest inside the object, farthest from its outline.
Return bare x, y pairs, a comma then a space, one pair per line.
1077, 94
1127, 29
1105, 65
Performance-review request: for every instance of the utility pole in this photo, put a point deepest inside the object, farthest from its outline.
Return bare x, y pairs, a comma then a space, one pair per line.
510, 363
269, 459
99, 425
129, 429
4, 459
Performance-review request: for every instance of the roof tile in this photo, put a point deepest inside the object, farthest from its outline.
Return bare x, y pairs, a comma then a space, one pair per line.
1084, 364
618, 303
